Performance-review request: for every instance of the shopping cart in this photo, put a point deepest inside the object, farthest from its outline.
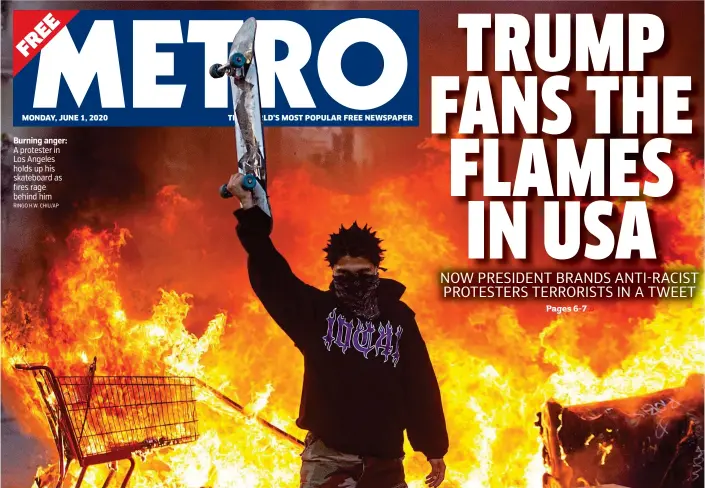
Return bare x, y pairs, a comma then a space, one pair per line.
105, 419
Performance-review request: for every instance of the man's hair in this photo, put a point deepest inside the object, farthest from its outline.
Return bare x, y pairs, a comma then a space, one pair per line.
355, 242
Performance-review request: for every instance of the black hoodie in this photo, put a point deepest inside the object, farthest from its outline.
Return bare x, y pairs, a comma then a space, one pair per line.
364, 383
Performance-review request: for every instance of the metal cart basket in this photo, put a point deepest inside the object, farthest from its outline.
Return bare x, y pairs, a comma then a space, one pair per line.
105, 419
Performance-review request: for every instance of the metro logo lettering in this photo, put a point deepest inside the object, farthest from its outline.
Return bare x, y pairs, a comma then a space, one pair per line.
150, 68
98, 58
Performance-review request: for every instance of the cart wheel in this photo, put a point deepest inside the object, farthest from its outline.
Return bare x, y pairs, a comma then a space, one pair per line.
237, 60
216, 71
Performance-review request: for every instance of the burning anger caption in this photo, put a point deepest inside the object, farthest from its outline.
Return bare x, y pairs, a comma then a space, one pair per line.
650, 105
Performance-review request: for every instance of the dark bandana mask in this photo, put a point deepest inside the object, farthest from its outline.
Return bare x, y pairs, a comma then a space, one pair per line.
358, 292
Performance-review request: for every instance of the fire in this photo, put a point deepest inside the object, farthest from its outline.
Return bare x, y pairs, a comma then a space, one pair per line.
605, 449
496, 362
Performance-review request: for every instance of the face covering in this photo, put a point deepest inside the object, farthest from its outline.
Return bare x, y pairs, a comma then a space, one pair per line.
358, 292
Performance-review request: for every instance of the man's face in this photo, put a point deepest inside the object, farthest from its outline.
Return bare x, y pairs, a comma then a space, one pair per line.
349, 264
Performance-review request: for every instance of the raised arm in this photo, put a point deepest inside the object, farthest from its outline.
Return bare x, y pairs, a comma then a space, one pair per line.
285, 297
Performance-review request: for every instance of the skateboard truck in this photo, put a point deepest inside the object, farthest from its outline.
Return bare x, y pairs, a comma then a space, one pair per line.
237, 67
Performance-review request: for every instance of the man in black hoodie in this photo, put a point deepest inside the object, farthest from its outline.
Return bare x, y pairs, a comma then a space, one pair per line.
367, 373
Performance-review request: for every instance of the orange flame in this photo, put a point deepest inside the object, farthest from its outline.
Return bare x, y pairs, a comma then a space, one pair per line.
496, 362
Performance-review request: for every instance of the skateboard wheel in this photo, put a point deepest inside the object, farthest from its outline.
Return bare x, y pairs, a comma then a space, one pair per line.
224, 192
249, 182
237, 60
216, 71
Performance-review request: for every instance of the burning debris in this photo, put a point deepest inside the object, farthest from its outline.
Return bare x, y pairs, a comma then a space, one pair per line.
490, 395
243, 410
651, 441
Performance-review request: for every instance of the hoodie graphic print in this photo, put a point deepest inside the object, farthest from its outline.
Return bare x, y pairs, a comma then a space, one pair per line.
363, 336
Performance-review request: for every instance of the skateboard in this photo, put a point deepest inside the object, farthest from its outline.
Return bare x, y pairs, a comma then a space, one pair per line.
241, 69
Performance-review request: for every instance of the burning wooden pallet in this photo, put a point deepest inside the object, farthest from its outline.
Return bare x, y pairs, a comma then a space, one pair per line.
651, 441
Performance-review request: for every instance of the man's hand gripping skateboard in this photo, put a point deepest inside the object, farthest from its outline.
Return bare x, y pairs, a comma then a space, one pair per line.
248, 196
